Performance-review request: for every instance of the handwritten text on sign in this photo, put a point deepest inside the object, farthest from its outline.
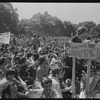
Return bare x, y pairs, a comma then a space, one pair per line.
83, 50
5, 37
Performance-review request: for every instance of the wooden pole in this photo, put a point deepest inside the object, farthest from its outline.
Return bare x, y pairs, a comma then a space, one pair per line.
88, 77
73, 78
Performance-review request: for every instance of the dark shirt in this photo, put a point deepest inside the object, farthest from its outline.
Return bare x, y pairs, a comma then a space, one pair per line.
23, 71
76, 40
32, 72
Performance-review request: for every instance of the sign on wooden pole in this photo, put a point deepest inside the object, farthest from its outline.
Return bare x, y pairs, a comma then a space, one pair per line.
84, 51
88, 76
73, 78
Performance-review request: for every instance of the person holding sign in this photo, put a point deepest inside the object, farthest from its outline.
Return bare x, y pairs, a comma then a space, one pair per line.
94, 90
77, 39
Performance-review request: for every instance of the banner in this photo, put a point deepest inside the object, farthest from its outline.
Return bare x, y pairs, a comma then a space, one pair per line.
5, 37
84, 50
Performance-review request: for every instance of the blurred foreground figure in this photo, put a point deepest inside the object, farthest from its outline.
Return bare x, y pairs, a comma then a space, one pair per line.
94, 90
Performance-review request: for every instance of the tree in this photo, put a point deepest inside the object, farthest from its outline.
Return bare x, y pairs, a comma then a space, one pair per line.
8, 18
45, 24
70, 28
23, 26
97, 31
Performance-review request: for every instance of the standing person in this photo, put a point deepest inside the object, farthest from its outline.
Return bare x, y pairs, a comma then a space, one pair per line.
56, 73
35, 42
14, 41
42, 70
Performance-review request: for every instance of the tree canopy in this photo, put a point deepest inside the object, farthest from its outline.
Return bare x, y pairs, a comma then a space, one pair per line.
42, 24
8, 18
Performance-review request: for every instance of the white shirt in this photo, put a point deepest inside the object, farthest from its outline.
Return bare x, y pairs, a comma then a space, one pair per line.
2, 83
39, 49
53, 61
56, 85
91, 79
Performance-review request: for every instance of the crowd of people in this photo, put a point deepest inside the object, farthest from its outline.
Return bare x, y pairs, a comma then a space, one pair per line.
36, 70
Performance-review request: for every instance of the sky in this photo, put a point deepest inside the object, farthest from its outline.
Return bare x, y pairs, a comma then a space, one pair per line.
73, 12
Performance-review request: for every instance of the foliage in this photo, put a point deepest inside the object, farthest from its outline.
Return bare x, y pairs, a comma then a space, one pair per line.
45, 24
70, 28
8, 18
42, 24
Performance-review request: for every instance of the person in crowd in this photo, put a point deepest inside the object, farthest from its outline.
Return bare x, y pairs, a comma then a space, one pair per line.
30, 58
94, 89
3, 64
14, 41
40, 48
66, 89
35, 42
26, 68
53, 58
79, 33
17, 69
16, 60
32, 68
10, 90
2, 79
48, 92
5, 77
42, 70
56, 73
23, 70
11, 77
1, 75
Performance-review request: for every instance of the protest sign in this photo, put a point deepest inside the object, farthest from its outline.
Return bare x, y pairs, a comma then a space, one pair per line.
5, 37
84, 50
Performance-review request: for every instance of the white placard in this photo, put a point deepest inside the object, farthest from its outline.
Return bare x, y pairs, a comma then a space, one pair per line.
5, 37
84, 50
